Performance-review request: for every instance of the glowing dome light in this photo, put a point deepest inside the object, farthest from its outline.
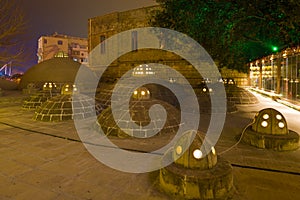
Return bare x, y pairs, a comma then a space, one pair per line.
279, 117
143, 93
266, 116
281, 125
204, 89
213, 150
135, 92
264, 124
197, 154
210, 90
179, 150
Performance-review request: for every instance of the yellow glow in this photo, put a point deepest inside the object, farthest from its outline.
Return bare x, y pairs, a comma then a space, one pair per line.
135, 92
197, 154
281, 125
264, 124
204, 90
213, 150
266, 116
179, 150
143, 93
279, 117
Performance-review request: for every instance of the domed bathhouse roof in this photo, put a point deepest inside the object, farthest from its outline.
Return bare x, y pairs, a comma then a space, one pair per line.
58, 70
60, 108
140, 115
196, 173
269, 130
35, 100
155, 92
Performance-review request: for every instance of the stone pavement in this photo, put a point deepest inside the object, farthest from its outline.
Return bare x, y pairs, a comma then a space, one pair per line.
44, 160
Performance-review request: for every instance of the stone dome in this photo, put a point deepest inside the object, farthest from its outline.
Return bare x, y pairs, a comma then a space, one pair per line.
195, 174
193, 157
58, 70
156, 91
270, 121
139, 112
38, 98
103, 94
60, 108
269, 130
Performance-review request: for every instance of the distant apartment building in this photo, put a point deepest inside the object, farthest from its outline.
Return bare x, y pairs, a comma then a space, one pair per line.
58, 45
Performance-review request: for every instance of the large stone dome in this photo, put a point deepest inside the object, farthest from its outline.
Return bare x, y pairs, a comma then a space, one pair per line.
58, 70
139, 112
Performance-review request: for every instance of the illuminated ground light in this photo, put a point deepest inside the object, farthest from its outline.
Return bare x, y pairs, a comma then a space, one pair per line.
270, 131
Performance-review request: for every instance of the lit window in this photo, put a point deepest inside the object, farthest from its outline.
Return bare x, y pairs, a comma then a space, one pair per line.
266, 116
179, 150
279, 117
197, 154
281, 125
264, 124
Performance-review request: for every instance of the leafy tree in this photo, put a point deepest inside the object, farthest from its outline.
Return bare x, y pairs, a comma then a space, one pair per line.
12, 33
233, 31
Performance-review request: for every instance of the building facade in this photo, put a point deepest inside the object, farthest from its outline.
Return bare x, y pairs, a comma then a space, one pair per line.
58, 45
103, 27
278, 73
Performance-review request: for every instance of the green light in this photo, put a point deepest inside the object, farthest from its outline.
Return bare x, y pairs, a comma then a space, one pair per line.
274, 48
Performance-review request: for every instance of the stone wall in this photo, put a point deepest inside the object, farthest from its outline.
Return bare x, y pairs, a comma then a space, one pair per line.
103, 27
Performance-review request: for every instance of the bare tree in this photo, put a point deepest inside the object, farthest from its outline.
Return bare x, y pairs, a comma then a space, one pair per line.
12, 32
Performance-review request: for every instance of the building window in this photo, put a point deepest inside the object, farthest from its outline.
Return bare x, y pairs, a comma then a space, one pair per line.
45, 41
134, 40
102, 44
59, 42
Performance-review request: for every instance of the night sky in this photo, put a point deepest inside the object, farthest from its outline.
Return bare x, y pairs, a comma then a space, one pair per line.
68, 17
